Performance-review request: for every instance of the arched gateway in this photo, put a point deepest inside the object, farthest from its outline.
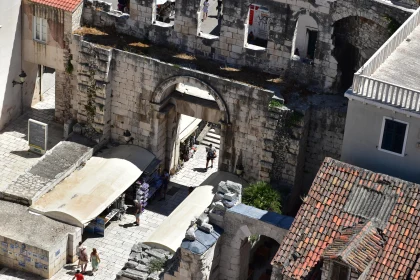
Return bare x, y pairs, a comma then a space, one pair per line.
199, 100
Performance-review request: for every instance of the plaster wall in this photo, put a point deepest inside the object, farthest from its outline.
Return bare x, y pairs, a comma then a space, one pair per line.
304, 23
10, 57
51, 52
361, 141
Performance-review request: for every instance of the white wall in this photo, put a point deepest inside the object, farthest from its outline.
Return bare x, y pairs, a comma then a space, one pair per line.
10, 58
301, 37
361, 141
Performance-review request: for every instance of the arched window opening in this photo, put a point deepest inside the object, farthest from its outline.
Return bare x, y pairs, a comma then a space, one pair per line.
305, 39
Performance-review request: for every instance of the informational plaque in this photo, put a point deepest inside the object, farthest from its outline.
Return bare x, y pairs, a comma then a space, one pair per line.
37, 136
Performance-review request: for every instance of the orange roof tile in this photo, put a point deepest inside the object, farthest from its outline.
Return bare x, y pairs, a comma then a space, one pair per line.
347, 209
67, 5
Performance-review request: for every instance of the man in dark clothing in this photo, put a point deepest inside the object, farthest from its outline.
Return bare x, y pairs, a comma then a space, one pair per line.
219, 7
211, 155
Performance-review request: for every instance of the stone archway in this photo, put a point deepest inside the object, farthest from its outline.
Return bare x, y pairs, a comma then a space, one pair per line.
169, 107
355, 40
240, 222
163, 91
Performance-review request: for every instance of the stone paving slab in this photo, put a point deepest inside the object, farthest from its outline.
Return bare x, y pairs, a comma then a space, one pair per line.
14, 155
193, 173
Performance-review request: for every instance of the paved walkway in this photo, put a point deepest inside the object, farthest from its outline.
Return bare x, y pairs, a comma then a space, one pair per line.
114, 248
211, 24
14, 155
194, 171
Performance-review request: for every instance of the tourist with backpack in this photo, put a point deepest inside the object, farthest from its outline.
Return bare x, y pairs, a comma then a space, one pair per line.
211, 155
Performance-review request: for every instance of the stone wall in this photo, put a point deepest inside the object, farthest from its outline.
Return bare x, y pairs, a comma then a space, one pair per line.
237, 229
305, 135
230, 47
138, 90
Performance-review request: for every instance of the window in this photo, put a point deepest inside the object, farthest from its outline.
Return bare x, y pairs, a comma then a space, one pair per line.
257, 29
339, 272
393, 136
40, 29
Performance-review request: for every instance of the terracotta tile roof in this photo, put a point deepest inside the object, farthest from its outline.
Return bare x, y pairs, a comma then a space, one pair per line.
356, 246
328, 209
67, 5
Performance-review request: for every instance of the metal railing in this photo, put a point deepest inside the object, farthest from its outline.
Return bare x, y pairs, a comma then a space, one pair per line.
388, 93
382, 91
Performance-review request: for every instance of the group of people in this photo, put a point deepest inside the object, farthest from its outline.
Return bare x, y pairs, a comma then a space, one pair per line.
84, 259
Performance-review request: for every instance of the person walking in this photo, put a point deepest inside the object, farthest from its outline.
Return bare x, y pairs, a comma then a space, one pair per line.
78, 275
95, 260
83, 260
219, 8
138, 207
165, 179
78, 253
211, 155
205, 9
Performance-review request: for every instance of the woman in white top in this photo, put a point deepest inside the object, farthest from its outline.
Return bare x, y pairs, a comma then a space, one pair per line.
205, 9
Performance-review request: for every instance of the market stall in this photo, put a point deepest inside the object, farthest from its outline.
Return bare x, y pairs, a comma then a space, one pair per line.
92, 195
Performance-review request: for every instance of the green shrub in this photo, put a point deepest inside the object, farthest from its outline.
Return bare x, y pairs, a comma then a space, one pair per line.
156, 265
261, 195
275, 103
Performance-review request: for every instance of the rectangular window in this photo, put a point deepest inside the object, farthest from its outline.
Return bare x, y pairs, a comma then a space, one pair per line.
393, 136
339, 272
40, 29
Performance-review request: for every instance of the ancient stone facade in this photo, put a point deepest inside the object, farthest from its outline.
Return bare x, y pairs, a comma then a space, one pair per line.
306, 134
231, 46
118, 91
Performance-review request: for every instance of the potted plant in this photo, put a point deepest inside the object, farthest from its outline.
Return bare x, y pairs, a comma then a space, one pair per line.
239, 169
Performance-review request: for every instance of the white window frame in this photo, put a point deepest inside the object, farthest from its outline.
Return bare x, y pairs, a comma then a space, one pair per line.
382, 134
41, 30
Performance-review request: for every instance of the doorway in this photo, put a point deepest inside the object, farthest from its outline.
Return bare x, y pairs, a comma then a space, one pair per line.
257, 251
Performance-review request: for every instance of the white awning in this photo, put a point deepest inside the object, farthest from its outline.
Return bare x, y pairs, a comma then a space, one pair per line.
171, 232
187, 125
87, 192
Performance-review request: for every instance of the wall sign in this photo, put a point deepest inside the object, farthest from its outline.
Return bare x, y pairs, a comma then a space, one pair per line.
37, 136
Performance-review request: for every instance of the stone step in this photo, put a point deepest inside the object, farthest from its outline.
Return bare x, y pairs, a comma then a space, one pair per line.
213, 135
212, 140
206, 143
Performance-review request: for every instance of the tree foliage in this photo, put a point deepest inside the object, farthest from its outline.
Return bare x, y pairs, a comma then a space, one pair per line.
261, 195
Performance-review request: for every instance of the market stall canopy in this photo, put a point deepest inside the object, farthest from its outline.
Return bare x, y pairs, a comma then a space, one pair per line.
171, 232
87, 192
187, 125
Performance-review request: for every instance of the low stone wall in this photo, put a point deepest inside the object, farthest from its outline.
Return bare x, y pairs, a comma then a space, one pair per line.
51, 169
144, 263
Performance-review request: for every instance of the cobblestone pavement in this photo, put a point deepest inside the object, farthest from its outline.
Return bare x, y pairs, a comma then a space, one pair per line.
114, 248
14, 155
194, 171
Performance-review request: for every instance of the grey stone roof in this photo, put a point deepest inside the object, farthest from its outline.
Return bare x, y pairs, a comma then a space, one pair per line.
203, 240
34, 230
276, 219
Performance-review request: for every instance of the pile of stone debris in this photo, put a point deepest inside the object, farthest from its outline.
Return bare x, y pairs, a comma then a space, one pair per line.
144, 263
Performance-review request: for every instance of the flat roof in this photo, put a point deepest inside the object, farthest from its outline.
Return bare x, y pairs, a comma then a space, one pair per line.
87, 192
17, 223
402, 66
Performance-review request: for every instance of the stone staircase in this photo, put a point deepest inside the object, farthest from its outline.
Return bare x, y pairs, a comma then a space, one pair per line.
212, 137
